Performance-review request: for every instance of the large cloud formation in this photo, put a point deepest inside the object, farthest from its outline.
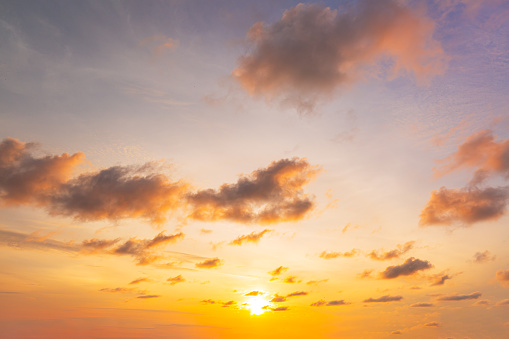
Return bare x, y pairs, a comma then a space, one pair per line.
268, 195
473, 203
314, 50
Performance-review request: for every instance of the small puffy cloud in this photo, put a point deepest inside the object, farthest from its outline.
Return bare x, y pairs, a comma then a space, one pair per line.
504, 302
291, 279
422, 305
384, 299
278, 299
333, 255
392, 254
253, 237
209, 263
208, 301
432, 324
148, 296
267, 195
482, 152
141, 249
482, 303
396, 332
409, 267
337, 303
365, 274
439, 279
503, 277
253, 294
139, 280
459, 297
466, 205
297, 294
175, 280
278, 271
480, 257
313, 50
229, 303
319, 303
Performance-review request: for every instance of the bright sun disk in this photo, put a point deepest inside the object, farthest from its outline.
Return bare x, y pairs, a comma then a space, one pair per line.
256, 305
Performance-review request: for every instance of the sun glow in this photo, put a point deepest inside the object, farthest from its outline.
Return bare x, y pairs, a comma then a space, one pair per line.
257, 305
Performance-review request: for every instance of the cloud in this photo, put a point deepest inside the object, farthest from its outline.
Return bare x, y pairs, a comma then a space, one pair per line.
252, 237
208, 301
384, 299
393, 254
319, 303
316, 282
297, 294
504, 302
176, 280
267, 195
117, 290
467, 205
280, 308
503, 277
432, 324
396, 332
333, 255
278, 299
409, 267
422, 305
313, 51
481, 151
22, 240
141, 249
25, 179
458, 297
480, 257
229, 303
365, 274
278, 271
337, 303
291, 279
148, 296
439, 279
139, 280
482, 303
253, 294
209, 263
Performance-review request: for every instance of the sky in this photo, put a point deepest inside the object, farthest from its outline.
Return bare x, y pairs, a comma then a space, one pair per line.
254, 169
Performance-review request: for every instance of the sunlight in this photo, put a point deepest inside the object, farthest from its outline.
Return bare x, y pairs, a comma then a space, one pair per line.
256, 305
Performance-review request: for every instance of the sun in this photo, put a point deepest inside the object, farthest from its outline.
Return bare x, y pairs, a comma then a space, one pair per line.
257, 305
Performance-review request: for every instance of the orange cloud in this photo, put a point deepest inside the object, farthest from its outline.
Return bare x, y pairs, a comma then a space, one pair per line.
467, 205
313, 50
503, 277
480, 151
333, 255
278, 271
252, 237
209, 263
175, 280
393, 254
459, 297
383, 299
268, 195
480, 257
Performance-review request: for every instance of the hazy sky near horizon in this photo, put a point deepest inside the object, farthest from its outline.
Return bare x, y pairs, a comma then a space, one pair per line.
226, 169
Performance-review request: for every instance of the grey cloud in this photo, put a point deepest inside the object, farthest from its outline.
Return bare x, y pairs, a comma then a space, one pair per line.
459, 297
384, 299
409, 267
392, 254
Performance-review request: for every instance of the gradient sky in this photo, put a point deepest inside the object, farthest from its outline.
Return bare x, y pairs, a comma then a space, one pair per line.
254, 169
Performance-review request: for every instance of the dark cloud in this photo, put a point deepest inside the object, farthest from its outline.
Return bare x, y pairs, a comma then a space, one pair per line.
148, 296
422, 305
409, 267
297, 294
333, 255
253, 294
466, 205
480, 257
252, 237
139, 280
458, 297
313, 51
175, 280
268, 195
503, 277
439, 279
141, 249
280, 308
432, 324
209, 263
384, 299
392, 254
396, 332
337, 303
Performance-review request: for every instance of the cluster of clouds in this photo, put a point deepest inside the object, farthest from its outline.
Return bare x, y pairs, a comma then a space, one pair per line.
313, 51
268, 195
476, 202
379, 254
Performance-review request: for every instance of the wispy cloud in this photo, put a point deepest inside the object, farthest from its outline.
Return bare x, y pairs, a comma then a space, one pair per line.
392, 254
384, 299
480, 257
209, 263
333, 255
253, 237
459, 297
175, 280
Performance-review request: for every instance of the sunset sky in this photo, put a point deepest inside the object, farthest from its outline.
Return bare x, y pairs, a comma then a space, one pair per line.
254, 169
